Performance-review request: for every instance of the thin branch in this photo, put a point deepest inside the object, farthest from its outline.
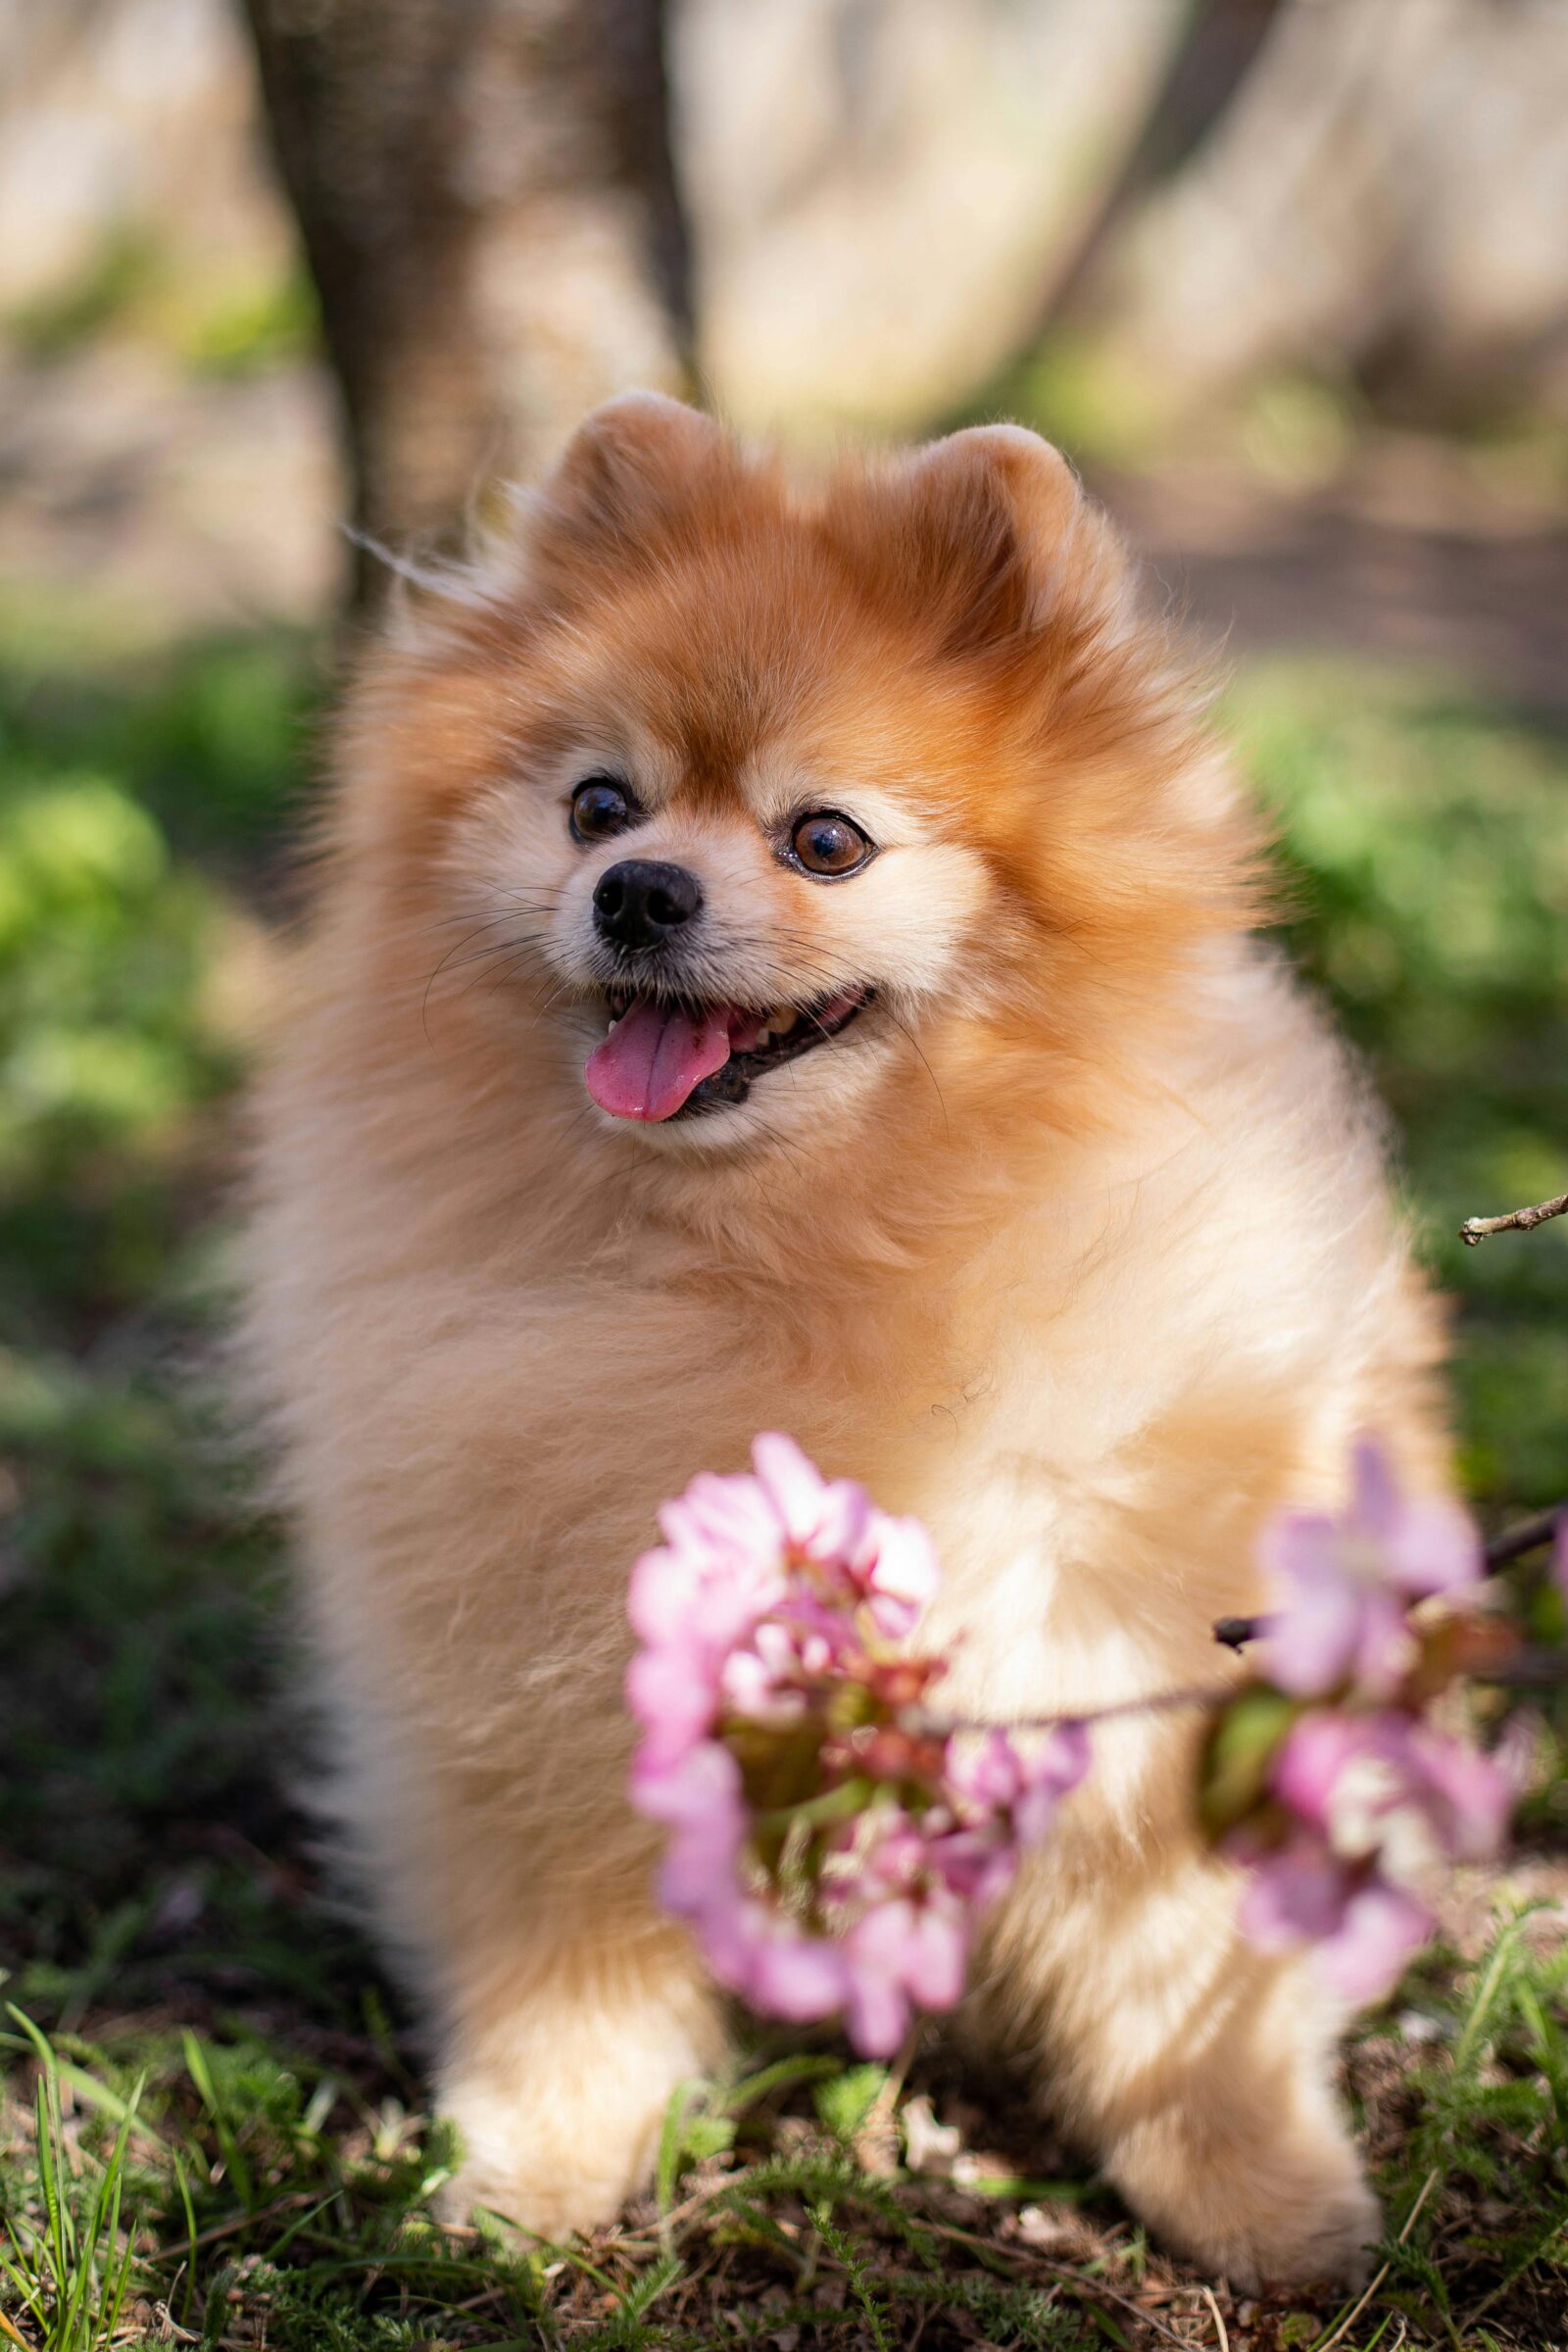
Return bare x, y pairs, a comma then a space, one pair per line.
1326, 2343
1518, 1220
1235, 1632
1527, 1535
1159, 1702
1527, 1670
1217, 2317
1070, 2273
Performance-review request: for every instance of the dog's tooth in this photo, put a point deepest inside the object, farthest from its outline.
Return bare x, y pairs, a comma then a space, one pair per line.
782, 1022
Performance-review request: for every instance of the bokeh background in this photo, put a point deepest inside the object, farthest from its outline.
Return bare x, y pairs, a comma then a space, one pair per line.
1287, 279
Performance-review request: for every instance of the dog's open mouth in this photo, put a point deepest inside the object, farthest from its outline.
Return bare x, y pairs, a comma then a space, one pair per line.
664, 1057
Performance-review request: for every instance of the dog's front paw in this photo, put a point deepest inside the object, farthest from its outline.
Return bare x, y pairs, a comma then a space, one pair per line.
550, 2210
1298, 2213
549, 2176
560, 2105
1310, 2231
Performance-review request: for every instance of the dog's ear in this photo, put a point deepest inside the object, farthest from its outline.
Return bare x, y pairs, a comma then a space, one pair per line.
630, 464
994, 518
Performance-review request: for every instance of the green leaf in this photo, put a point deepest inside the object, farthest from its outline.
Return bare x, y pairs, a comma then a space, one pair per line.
1242, 1742
753, 2088
843, 2102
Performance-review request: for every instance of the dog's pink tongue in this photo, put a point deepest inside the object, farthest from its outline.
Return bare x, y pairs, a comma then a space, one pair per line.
653, 1056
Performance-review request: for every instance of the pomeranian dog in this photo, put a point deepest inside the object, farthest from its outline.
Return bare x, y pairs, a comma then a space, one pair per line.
783, 957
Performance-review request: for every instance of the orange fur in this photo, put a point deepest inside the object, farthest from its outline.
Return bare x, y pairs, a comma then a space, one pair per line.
1075, 1242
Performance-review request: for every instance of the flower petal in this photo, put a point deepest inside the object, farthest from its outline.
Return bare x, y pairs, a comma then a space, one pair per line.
763, 1956
878, 2016
1471, 1795
1385, 1646
1433, 1547
1314, 1756
1298, 1894
938, 1955
672, 1695
905, 1576
1313, 1634
661, 1597
1383, 1925
844, 1522
792, 1484
704, 1784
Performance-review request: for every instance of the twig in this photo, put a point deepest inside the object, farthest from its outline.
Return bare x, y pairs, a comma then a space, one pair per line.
680, 2212
1208, 2293
1070, 2273
1326, 2343
1235, 1632
1529, 1670
1518, 1220
1528, 1535
879, 2133
1088, 2287
1526, 1669
1159, 1702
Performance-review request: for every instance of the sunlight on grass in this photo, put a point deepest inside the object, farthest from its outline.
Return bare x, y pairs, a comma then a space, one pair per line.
218, 2181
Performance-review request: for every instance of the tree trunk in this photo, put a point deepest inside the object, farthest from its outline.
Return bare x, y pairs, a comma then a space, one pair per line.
489, 209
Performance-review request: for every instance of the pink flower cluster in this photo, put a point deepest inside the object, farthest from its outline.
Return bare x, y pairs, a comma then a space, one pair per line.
1362, 1801
1378, 1805
830, 1841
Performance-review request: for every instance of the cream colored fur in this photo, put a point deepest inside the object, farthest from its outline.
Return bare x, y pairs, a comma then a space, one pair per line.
494, 1330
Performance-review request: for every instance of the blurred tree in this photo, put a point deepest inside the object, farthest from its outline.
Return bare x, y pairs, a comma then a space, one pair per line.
888, 195
1384, 197
489, 209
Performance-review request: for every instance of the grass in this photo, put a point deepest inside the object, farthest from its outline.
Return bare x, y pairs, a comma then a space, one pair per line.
227, 322
215, 2126
285, 2185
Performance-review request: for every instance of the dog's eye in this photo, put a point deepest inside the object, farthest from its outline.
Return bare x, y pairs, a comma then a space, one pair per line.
600, 807
827, 844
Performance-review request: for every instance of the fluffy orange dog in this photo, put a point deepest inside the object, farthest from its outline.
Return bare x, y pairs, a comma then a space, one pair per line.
846, 1021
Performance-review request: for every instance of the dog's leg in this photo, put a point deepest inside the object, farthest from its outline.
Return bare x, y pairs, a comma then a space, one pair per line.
1197, 2070
559, 2069
517, 1901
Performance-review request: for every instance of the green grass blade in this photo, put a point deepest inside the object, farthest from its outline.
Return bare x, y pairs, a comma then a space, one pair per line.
234, 2163
1487, 1991
784, 2071
182, 2185
843, 2250
27, 2288
672, 2141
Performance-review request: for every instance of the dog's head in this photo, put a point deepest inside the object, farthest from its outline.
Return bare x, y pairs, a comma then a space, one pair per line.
751, 798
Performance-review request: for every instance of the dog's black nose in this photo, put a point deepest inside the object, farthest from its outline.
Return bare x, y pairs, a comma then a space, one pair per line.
641, 901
